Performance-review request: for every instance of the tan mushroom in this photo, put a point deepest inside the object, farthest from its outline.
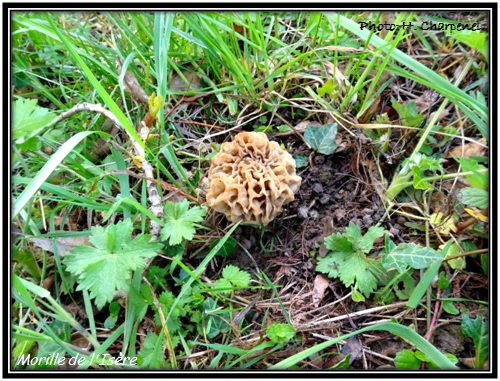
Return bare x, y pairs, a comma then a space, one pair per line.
251, 178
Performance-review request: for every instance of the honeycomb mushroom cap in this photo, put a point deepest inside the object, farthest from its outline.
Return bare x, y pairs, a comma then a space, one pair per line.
251, 178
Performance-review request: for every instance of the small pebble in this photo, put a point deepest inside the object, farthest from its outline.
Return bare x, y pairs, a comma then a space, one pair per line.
314, 214
394, 231
318, 188
324, 199
302, 212
368, 211
401, 220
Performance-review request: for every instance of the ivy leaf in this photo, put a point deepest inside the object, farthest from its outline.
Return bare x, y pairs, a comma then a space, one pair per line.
28, 118
322, 138
107, 267
301, 161
409, 254
179, 221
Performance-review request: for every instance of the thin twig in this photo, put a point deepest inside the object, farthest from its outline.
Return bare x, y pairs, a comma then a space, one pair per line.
154, 198
369, 311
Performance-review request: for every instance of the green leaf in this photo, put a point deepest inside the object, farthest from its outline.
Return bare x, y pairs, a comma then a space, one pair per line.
433, 366
409, 254
173, 316
280, 333
365, 244
478, 331
39, 181
406, 359
301, 161
353, 231
443, 281
408, 113
357, 296
237, 277
322, 138
475, 197
424, 284
357, 268
348, 261
224, 285
475, 39
456, 263
477, 179
342, 364
450, 308
408, 285
418, 179
107, 267
215, 318
157, 275
28, 118
339, 243
151, 354
328, 87
179, 221
427, 163
328, 265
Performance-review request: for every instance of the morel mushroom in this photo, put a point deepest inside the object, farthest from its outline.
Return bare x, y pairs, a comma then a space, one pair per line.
251, 178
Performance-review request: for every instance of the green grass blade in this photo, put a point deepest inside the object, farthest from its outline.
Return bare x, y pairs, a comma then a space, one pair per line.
48, 168
396, 329
108, 101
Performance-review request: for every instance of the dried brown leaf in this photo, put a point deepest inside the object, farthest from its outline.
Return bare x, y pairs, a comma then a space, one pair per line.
425, 101
63, 244
132, 86
177, 83
469, 149
353, 347
320, 286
